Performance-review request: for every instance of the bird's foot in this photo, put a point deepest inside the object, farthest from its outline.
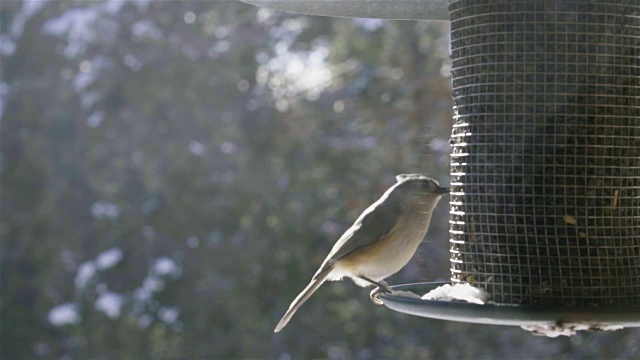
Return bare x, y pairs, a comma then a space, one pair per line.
382, 287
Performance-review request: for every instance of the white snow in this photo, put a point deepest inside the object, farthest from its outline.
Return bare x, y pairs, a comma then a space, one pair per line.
113, 6
78, 25
196, 148
367, 24
28, 9
144, 321
7, 45
110, 304
85, 273
289, 73
228, 147
165, 266
132, 62
109, 258
142, 294
89, 98
146, 29
95, 119
193, 242
568, 329
82, 80
4, 94
64, 314
74, 21
103, 209
141, 4
168, 314
221, 32
463, 292
220, 47
152, 284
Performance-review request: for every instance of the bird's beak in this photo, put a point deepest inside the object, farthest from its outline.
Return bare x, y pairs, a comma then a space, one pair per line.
442, 190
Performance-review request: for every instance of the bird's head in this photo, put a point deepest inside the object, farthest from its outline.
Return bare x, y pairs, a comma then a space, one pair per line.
416, 185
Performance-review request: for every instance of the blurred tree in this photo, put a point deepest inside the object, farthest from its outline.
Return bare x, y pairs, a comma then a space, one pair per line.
174, 172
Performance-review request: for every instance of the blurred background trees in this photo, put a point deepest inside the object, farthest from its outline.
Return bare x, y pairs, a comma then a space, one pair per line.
172, 174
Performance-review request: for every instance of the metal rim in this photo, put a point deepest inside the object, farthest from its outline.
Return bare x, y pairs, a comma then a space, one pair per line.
502, 314
380, 9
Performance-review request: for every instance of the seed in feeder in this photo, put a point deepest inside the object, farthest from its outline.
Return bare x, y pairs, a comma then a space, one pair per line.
614, 201
570, 220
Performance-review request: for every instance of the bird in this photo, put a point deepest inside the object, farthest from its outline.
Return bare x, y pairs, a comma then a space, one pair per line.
381, 241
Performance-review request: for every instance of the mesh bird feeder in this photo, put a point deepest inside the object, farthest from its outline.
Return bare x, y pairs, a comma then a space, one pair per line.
545, 206
546, 151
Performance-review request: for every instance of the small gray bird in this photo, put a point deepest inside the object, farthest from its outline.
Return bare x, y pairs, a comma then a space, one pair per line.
381, 241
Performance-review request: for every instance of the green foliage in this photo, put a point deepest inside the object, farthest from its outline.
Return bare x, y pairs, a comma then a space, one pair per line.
205, 145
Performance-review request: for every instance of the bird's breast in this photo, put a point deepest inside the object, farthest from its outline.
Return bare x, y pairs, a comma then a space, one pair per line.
391, 252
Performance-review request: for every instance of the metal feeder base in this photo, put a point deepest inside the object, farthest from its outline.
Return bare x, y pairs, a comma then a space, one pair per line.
501, 314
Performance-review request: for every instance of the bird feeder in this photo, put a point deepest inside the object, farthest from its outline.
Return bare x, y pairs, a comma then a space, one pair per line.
545, 166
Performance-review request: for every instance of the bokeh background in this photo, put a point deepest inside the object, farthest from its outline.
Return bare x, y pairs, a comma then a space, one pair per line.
174, 172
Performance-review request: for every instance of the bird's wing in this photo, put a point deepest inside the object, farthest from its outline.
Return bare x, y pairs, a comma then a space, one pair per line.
374, 223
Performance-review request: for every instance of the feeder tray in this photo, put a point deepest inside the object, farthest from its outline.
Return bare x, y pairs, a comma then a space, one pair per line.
503, 314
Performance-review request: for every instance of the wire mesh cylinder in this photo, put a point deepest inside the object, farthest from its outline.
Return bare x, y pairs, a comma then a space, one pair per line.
546, 150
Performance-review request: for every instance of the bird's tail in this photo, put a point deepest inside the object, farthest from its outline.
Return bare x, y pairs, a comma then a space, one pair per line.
302, 297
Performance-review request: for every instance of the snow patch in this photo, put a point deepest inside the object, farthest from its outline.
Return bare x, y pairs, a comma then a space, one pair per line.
462, 292
109, 258
89, 98
82, 80
568, 329
146, 29
144, 321
193, 242
165, 266
28, 9
152, 284
196, 148
4, 94
64, 314
113, 6
369, 25
141, 4
73, 21
110, 304
86, 272
102, 209
7, 45
95, 119
132, 62
228, 147
168, 315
